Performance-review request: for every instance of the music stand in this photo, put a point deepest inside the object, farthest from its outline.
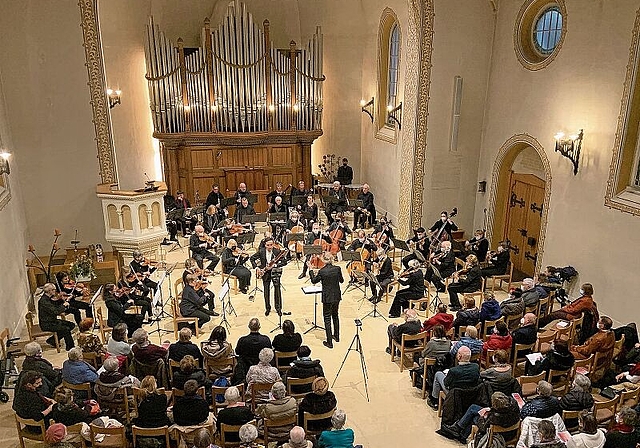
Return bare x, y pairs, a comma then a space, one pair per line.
307, 215
157, 302
246, 238
298, 200
226, 202
252, 198
374, 312
225, 291
435, 302
277, 217
252, 219
315, 290
92, 303
402, 245
351, 256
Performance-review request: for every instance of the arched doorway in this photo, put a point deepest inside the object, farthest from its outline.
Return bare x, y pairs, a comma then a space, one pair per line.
520, 194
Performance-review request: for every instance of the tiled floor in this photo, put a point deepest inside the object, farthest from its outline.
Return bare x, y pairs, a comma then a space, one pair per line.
395, 414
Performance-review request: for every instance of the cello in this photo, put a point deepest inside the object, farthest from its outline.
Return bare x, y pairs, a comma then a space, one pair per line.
337, 235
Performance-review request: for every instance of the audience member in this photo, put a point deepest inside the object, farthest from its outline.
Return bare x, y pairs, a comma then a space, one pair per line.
297, 439
111, 381
530, 294
469, 315
28, 401
279, 407
499, 375
287, 341
51, 376
578, 398
498, 339
441, 318
542, 406
203, 439
410, 326
623, 433
55, 436
66, 410
87, 340
527, 332
217, 348
184, 346
338, 436
547, 436
236, 413
438, 345
465, 375
248, 434
557, 358
320, 401
513, 305
304, 367
144, 351
590, 436
470, 340
190, 409
601, 342
248, 348
575, 309
152, 407
76, 370
490, 309
189, 370
262, 373
117, 345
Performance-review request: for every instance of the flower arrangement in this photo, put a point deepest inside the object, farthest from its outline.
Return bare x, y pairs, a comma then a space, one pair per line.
329, 166
82, 268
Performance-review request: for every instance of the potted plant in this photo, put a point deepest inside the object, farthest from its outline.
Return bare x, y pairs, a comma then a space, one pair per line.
82, 269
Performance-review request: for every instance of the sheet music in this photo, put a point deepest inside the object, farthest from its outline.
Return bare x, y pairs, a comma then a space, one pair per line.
224, 290
312, 289
534, 357
96, 295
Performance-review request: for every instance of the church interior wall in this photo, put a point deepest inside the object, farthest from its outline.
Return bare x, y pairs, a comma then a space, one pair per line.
581, 88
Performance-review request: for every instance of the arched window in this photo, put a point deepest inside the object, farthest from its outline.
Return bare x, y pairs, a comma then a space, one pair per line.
389, 51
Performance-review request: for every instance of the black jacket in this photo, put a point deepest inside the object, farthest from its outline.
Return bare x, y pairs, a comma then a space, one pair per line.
190, 410
317, 404
447, 264
305, 368
179, 350
152, 412
525, 335
249, 347
259, 259
415, 283
191, 301
386, 270
472, 282
48, 311
331, 277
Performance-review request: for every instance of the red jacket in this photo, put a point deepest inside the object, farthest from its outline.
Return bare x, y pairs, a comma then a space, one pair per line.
497, 342
444, 319
578, 306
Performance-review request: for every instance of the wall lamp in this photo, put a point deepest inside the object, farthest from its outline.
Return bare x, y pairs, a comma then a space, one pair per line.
4, 163
367, 107
395, 114
114, 97
569, 146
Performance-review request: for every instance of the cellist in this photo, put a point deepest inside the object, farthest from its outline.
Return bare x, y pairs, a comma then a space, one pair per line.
367, 248
294, 225
315, 237
337, 226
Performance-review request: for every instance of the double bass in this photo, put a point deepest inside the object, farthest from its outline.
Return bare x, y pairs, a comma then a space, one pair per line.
440, 236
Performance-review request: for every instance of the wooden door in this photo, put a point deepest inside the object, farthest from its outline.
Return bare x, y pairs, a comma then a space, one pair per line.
524, 215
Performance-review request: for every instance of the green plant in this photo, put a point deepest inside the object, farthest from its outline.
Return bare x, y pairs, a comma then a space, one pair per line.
82, 267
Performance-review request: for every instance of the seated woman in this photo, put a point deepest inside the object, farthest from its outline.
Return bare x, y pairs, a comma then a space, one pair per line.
287, 341
217, 348
441, 318
557, 358
52, 376
547, 436
469, 339
152, 408
28, 401
438, 345
248, 435
278, 408
321, 400
490, 309
236, 413
590, 436
500, 339
66, 410
117, 345
189, 370
76, 370
110, 382
499, 376
263, 372
117, 303
87, 340
233, 260
304, 367
338, 436
623, 433
144, 351
578, 398
190, 409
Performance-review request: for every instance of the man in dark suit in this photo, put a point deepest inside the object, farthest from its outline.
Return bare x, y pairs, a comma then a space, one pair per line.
340, 197
187, 223
498, 261
248, 349
345, 173
261, 260
199, 245
192, 304
384, 276
366, 213
215, 198
330, 276
445, 262
50, 306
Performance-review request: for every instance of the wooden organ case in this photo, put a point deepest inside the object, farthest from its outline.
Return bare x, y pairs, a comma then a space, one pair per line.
234, 109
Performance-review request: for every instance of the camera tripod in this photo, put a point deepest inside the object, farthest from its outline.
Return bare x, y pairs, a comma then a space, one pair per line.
356, 345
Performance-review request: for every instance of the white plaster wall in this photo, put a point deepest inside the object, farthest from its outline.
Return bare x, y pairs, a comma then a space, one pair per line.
582, 88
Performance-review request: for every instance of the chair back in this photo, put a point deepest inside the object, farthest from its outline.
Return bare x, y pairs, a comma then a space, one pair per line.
284, 422
23, 431
544, 338
560, 380
307, 417
231, 429
220, 390
488, 325
162, 431
113, 436
279, 356
75, 433
577, 328
629, 398
488, 360
495, 429
178, 286
298, 383
83, 387
256, 392
518, 357
173, 364
513, 320
102, 325
30, 325
571, 417
618, 345
220, 365
601, 363
544, 305
583, 364
93, 358
176, 393
605, 411
527, 381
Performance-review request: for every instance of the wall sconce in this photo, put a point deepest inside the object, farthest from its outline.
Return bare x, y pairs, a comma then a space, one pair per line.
482, 186
114, 97
395, 114
367, 107
570, 147
4, 162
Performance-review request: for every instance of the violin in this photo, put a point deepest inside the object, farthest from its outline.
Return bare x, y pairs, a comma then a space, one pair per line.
119, 292
148, 262
408, 272
237, 229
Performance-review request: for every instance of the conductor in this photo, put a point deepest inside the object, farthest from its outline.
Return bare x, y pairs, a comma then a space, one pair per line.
330, 276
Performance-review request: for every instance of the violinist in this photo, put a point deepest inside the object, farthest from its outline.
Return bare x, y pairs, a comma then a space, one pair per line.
442, 228
498, 261
419, 243
187, 222
414, 282
241, 193
200, 243
362, 240
142, 268
271, 197
192, 304
243, 210
270, 273
311, 209
445, 262
340, 224
117, 302
366, 213
134, 289
73, 291
316, 236
233, 260
215, 198
383, 270
478, 245
50, 306
468, 280
191, 267
300, 191
337, 192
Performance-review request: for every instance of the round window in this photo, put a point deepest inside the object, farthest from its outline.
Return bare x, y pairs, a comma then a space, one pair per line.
548, 30
539, 32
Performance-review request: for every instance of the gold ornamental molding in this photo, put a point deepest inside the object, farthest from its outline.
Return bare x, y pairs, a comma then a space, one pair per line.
501, 166
416, 111
616, 185
97, 88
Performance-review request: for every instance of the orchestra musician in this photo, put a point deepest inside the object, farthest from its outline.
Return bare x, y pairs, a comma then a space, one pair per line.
345, 173
498, 261
200, 243
271, 196
362, 240
187, 223
294, 222
141, 267
172, 226
206, 296
242, 192
215, 198
192, 304
340, 224
446, 224
74, 291
210, 220
366, 213
243, 210
279, 207
261, 261
414, 282
310, 208
330, 277
445, 262
233, 260
478, 245
338, 193
383, 270
50, 306
300, 191
419, 242
383, 233
468, 280
309, 239
137, 291
117, 302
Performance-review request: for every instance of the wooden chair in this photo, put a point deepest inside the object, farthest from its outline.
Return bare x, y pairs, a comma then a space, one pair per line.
601, 363
605, 411
173, 364
518, 357
584, 365
488, 325
291, 382
220, 364
75, 431
534, 309
256, 388
495, 429
513, 321
113, 437
463, 328
529, 383
388, 289
178, 286
179, 318
617, 346
137, 431
571, 416
544, 305
36, 332
502, 278
176, 393
84, 387
102, 325
232, 278
577, 328
544, 340
478, 296
93, 358
119, 407
417, 304
629, 398
268, 423
565, 333
420, 341
427, 362
231, 429
307, 417
24, 433
560, 380
279, 356
220, 390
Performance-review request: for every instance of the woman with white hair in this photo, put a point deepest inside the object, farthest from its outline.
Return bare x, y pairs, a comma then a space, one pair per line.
338, 436
262, 373
279, 408
52, 376
248, 435
76, 370
236, 413
144, 351
297, 439
579, 398
109, 381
